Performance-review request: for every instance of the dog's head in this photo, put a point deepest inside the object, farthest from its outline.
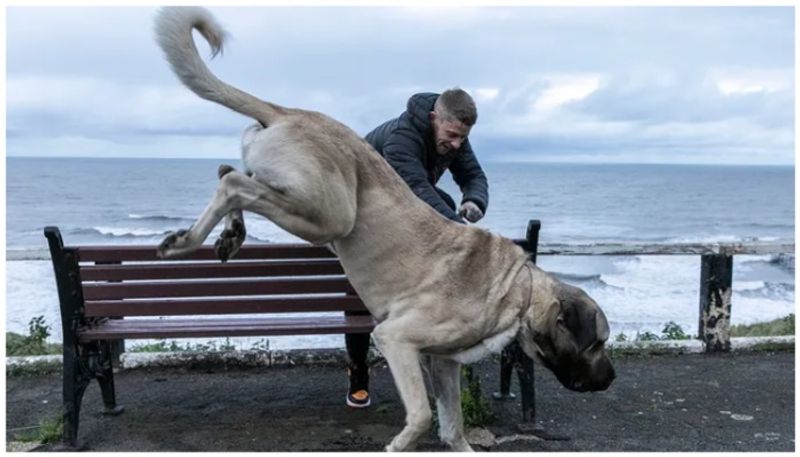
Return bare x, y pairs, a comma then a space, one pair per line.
569, 338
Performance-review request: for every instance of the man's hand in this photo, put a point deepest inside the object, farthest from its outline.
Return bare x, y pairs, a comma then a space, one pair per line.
470, 212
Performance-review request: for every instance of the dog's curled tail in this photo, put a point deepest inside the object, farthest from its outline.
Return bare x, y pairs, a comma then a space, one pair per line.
173, 29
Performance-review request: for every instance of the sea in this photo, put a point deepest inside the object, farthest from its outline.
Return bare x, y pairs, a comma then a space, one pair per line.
137, 201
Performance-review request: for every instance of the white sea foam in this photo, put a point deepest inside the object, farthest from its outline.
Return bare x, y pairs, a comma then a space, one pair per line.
262, 229
30, 292
646, 292
128, 231
743, 286
722, 239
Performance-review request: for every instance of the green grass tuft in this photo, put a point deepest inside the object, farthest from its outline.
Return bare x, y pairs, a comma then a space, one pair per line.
474, 405
49, 431
35, 343
781, 326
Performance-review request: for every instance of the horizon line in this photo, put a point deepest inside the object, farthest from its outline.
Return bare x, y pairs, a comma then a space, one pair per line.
487, 160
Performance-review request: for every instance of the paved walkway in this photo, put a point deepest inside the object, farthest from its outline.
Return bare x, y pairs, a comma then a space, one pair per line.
733, 402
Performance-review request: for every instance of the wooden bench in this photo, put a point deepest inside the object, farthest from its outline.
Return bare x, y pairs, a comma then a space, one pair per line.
112, 293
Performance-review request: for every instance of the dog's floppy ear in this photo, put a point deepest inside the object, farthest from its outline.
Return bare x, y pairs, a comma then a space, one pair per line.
578, 317
602, 325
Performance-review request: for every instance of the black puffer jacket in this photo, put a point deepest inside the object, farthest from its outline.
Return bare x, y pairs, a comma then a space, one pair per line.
407, 143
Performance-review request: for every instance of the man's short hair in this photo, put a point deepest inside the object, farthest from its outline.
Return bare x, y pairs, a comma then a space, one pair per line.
456, 105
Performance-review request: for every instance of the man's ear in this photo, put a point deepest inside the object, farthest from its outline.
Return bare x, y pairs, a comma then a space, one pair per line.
432, 116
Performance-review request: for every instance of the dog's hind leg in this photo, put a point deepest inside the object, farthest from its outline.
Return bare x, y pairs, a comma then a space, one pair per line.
183, 242
237, 191
446, 380
404, 363
232, 237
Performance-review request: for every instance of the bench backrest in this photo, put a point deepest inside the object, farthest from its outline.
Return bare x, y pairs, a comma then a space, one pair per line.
118, 281
131, 281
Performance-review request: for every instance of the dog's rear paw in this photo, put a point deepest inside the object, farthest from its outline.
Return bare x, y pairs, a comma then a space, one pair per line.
230, 240
175, 244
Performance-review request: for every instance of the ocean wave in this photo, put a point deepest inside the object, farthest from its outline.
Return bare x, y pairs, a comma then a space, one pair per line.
158, 218
119, 232
259, 239
765, 225
784, 261
584, 280
769, 290
723, 239
131, 233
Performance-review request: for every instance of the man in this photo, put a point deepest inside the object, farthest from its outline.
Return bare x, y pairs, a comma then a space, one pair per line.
427, 139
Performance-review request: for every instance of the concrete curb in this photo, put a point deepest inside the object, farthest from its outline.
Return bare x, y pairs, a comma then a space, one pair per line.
749, 343
338, 356
32, 365
22, 446
40, 364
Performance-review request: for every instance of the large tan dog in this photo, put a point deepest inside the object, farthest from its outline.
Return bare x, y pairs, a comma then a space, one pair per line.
458, 296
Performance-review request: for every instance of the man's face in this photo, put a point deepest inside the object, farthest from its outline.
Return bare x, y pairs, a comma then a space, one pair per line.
448, 135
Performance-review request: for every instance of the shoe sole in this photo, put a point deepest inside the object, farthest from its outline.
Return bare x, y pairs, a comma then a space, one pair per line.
357, 405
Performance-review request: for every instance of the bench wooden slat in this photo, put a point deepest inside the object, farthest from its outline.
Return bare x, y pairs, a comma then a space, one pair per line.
211, 270
193, 328
206, 252
231, 305
270, 286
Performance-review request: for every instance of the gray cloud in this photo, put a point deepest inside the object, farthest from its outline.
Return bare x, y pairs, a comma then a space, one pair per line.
569, 83
686, 97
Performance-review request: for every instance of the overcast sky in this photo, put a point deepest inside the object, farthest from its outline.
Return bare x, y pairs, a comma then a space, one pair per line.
583, 84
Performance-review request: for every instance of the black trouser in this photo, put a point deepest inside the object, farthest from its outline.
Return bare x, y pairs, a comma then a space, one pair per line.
358, 343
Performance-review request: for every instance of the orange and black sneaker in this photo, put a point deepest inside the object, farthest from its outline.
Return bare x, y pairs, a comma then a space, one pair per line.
358, 395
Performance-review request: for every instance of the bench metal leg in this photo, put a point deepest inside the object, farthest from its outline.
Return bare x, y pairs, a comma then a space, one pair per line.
513, 357
82, 363
117, 349
506, 368
524, 369
524, 366
75, 380
105, 377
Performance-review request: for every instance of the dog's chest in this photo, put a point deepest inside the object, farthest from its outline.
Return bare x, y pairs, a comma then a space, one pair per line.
492, 345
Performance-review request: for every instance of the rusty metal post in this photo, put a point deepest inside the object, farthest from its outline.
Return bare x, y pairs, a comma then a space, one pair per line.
716, 277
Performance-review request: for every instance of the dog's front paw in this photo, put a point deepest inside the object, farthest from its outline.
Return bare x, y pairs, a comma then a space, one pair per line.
461, 445
230, 240
175, 244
